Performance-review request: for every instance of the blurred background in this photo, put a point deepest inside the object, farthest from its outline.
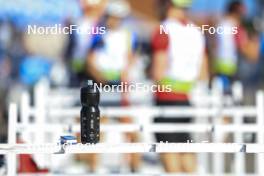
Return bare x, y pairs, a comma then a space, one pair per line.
64, 60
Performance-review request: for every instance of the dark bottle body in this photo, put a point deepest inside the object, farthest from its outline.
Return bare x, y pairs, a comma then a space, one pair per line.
90, 114
90, 125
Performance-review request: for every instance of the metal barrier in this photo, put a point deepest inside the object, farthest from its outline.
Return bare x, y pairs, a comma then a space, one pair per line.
40, 111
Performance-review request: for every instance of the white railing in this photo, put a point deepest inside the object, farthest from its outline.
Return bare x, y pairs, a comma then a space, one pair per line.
41, 111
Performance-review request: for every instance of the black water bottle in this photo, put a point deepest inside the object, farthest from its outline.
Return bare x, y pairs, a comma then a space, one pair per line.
90, 113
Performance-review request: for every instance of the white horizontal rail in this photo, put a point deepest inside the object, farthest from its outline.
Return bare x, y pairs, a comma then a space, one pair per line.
138, 174
75, 97
155, 111
165, 127
132, 148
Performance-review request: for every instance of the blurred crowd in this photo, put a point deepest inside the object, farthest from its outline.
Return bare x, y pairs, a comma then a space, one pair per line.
130, 50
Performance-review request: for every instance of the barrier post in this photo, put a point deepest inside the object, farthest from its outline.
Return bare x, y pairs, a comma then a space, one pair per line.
25, 111
239, 157
12, 121
260, 135
237, 92
217, 136
40, 103
40, 97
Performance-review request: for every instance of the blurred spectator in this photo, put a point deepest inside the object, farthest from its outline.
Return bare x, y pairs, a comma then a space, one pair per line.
261, 58
34, 68
78, 50
231, 47
116, 46
5, 74
112, 56
178, 61
92, 11
46, 49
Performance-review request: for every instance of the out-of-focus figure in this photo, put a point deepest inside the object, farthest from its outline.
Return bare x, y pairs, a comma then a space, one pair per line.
87, 25
112, 53
111, 58
5, 78
80, 43
232, 46
179, 60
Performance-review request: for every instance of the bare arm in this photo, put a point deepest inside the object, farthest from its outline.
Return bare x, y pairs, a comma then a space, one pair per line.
250, 50
249, 46
159, 65
204, 72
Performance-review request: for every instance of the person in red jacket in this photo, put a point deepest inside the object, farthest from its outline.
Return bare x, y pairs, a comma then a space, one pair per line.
179, 61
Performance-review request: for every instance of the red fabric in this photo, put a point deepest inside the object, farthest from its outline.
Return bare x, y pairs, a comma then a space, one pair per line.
160, 41
28, 165
124, 99
184, 22
171, 96
240, 37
